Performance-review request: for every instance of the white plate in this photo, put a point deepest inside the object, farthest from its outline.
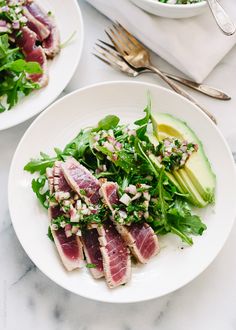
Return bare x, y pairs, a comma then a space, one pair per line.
61, 68
56, 126
171, 10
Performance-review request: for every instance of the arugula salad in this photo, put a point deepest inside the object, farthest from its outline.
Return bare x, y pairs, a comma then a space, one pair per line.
13, 77
153, 167
28, 37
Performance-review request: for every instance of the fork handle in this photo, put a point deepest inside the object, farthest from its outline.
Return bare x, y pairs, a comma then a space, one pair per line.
205, 89
181, 91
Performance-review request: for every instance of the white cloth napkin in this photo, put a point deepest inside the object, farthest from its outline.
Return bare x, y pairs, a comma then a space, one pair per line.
193, 45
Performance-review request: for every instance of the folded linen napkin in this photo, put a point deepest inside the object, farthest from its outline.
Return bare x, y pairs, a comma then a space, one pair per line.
193, 45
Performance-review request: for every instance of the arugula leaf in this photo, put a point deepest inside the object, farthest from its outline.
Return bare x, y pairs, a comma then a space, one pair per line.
140, 151
21, 65
4, 45
175, 215
143, 123
2, 108
107, 123
37, 187
13, 69
181, 218
124, 159
12, 88
76, 148
39, 165
161, 200
49, 234
183, 236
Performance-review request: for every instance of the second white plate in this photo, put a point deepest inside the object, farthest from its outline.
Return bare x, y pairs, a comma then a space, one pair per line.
61, 68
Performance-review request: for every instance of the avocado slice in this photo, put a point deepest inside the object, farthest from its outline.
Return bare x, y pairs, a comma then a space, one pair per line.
196, 176
181, 182
169, 175
187, 184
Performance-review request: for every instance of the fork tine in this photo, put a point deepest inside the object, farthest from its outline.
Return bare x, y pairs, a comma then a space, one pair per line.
104, 54
113, 58
123, 36
114, 43
109, 62
129, 35
102, 59
107, 44
114, 54
118, 43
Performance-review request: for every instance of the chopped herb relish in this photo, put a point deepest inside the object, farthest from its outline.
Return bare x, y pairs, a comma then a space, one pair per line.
173, 153
121, 153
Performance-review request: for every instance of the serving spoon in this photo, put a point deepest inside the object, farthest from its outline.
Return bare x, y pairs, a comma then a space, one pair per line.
222, 19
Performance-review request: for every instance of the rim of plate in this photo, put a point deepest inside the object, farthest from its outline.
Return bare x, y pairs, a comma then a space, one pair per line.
179, 6
47, 104
114, 82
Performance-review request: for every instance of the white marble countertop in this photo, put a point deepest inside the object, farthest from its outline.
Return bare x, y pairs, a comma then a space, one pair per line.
28, 299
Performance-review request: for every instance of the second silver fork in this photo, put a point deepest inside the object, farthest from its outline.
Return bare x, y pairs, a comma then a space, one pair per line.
108, 54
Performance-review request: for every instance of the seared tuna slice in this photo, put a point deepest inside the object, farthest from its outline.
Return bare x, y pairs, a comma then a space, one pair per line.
87, 186
38, 55
49, 173
51, 44
140, 238
109, 193
69, 248
92, 251
116, 257
60, 183
54, 212
26, 41
81, 181
35, 25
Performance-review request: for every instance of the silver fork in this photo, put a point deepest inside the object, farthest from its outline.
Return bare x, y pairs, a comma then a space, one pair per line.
138, 57
109, 55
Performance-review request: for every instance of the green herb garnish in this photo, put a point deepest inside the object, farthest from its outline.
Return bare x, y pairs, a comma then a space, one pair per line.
124, 154
91, 265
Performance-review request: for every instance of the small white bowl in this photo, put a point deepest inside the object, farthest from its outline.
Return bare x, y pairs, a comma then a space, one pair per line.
171, 10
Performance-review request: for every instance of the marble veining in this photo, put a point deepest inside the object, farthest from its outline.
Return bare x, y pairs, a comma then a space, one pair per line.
29, 269
29, 300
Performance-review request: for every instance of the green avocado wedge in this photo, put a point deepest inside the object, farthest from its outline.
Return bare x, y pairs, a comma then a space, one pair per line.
169, 175
196, 177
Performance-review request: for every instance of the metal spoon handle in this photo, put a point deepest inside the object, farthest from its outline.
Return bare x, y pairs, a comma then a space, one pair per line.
222, 19
205, 89
180, 91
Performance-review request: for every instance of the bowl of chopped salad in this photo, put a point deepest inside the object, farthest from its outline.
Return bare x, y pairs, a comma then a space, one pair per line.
172, 8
